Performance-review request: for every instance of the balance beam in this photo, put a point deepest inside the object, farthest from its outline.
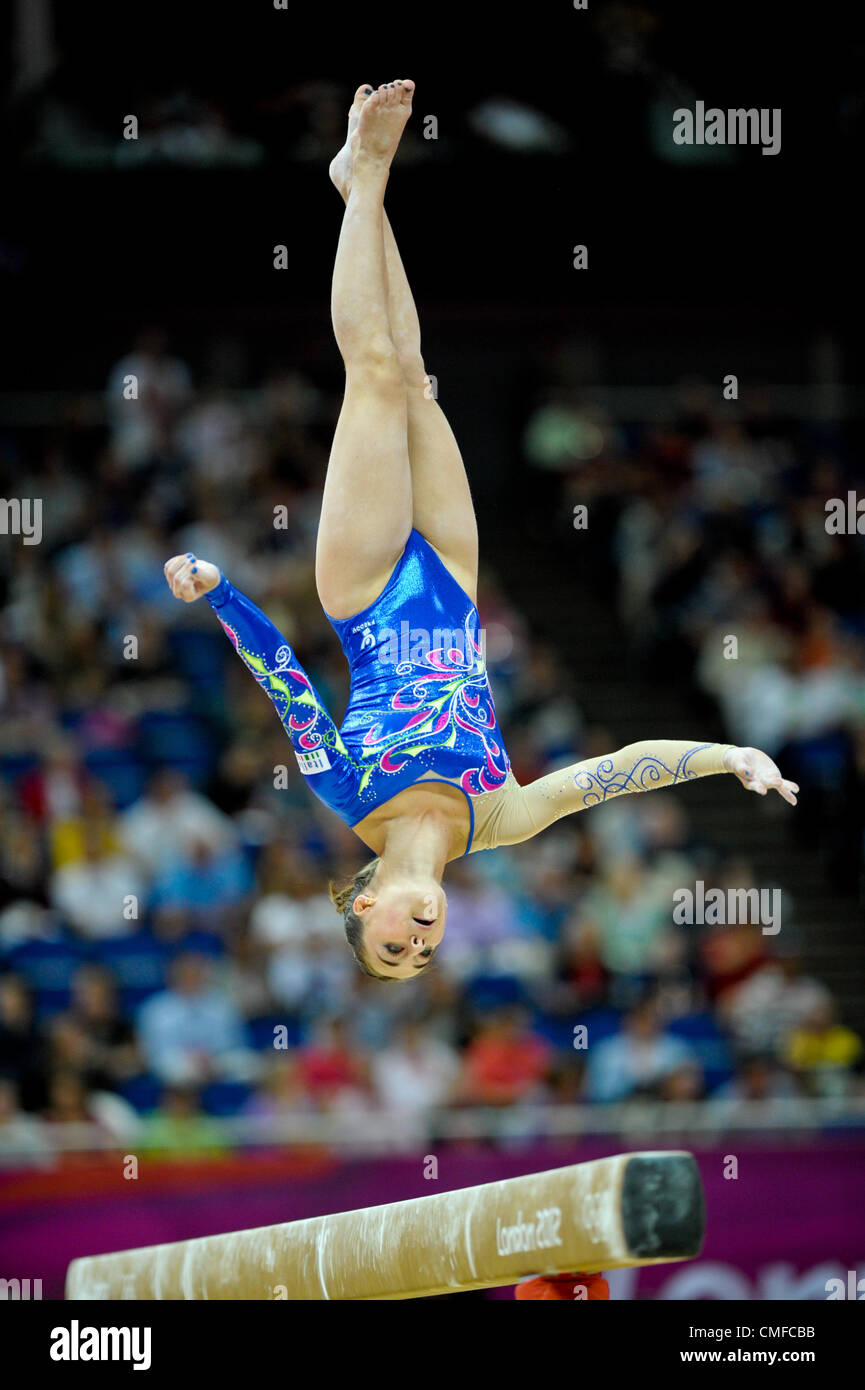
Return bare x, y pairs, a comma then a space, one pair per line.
631, 1209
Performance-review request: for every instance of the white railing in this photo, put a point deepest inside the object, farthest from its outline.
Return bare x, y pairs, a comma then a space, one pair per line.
383, 1132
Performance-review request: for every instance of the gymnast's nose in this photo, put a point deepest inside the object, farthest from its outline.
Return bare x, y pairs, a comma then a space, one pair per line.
417, 941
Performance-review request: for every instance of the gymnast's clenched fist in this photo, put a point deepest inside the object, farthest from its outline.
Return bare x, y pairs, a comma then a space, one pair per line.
188, 577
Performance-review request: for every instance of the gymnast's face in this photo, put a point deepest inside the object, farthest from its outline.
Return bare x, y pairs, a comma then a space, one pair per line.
403, 924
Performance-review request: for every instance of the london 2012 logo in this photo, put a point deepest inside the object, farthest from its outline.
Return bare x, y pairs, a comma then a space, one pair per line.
540, 1234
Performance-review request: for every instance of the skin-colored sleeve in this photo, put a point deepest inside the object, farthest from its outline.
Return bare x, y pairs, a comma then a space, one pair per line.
639, 767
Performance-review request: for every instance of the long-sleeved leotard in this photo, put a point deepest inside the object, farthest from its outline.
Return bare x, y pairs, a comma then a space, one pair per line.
421, 709
517, 813
317, 743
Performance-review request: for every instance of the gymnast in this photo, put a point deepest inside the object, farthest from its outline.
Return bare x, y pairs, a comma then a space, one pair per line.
418, 768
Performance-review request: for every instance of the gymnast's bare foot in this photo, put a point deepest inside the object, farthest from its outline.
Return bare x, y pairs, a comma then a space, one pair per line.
341, 166
381, 121
188, 577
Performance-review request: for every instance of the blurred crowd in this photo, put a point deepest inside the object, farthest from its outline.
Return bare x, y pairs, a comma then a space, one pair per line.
169, 956
740, 561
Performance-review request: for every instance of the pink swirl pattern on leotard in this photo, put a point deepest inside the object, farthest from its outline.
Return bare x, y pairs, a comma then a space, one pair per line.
444, 691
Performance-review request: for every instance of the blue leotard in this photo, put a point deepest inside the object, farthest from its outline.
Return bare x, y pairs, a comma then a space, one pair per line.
420, 703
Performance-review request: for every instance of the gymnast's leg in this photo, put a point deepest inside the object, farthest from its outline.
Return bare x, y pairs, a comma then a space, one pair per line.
442, 509
366, 512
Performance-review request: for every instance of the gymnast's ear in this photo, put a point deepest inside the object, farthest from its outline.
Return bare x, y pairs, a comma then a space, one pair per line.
362, 903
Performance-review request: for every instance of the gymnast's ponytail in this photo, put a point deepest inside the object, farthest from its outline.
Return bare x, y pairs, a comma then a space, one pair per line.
342, 896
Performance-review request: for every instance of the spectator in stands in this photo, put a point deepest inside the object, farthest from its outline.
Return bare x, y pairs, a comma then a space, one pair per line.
759, 1079
204, 882
282, 1093
330, 1066
505, 1062
22, 860
55, 789
771, 1003
92, 819
638, 1061
101, 1117
101, 895
311, 977
627, 919
146, 392
22, 1053
22, 1139
113, 1055
191, 1032
729, 956
170, 819
417, 1073
824, 1053
290, 901
179, 1128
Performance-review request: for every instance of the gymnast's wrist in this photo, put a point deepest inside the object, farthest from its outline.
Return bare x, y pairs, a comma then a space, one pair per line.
221, 594
727, 750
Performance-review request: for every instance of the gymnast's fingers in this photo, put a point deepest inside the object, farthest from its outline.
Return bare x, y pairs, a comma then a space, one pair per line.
173, 566
181, 578
787, 790
779, 784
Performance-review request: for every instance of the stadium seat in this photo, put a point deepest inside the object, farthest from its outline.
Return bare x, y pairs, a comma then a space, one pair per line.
225, 1097
200, 655
494, 991
48, 967
178, 739
122, 772
600, 1023
142, 1092
702, 1033
138, 962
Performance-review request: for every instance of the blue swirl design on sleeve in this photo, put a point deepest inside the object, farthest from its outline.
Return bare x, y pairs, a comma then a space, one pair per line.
602, 782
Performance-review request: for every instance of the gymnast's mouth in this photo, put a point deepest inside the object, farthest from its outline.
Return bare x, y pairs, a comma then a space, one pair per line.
422, 922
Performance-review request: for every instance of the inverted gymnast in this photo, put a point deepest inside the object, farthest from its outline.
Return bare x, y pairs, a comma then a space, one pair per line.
419, 768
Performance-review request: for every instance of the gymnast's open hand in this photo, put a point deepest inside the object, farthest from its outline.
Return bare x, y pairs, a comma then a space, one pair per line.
757, 772
188, 577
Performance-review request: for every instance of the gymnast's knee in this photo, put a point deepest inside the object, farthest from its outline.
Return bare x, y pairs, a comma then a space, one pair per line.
374, 366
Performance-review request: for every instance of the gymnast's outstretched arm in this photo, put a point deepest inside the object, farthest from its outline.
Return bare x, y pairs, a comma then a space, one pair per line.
639, 767
319, 749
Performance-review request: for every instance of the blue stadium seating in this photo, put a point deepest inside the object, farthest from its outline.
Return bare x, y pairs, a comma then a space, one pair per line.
139, 964
48, 967
124, 773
